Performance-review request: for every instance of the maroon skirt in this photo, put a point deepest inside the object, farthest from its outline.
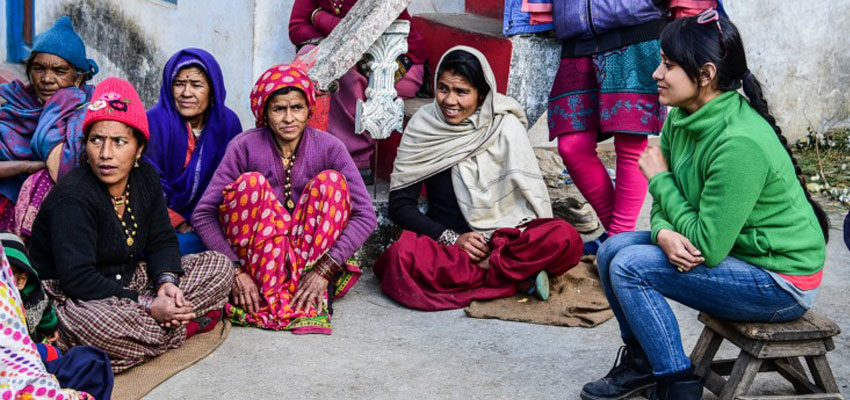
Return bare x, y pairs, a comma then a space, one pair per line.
420, 273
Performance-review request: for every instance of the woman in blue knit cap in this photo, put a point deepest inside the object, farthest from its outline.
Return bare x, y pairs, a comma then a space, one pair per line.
41, 123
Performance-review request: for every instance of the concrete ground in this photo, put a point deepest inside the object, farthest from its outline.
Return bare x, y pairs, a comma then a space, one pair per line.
380, 349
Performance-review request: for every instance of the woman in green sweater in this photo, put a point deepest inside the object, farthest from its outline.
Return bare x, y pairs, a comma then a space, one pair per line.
734, 234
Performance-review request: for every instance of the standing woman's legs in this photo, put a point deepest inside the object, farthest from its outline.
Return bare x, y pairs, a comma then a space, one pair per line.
578, 150
630, 189
573, 118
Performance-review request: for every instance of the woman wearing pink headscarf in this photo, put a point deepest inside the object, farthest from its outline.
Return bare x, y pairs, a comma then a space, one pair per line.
289, 208
313, 20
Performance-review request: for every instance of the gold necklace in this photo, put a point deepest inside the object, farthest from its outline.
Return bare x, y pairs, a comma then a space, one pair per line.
337, 6
288, 162
122, 200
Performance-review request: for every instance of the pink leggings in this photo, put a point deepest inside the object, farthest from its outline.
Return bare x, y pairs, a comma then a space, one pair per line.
617, 206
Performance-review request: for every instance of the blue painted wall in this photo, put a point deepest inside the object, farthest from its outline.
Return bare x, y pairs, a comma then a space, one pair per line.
16, 49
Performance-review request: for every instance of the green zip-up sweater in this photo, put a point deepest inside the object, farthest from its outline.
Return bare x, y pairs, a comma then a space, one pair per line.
732, 190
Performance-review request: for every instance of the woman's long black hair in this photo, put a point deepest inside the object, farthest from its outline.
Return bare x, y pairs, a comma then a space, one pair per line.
691, 45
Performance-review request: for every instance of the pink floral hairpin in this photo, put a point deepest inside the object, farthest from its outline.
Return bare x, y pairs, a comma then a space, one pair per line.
113, 100
711, 15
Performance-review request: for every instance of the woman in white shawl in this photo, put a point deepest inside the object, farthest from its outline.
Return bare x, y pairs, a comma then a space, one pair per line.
488, 226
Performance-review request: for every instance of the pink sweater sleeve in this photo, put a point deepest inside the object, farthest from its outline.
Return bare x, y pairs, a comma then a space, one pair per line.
300, 28
205, 217
326, 22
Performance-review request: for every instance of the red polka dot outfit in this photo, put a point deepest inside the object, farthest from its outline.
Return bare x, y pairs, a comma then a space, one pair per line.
278, 248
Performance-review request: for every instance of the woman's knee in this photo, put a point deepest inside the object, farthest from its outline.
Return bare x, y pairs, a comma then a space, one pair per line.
577, 145
615, 243
632, 264
217, 271
252, 176
330, 176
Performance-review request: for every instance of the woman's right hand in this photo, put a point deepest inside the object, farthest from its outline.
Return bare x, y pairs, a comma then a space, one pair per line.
475, 245
165, 310
245, 293
679, 250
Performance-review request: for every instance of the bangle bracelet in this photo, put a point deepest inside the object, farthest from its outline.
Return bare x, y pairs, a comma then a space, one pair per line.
448, 238
167, 277
314, 14
327, 268
237, 267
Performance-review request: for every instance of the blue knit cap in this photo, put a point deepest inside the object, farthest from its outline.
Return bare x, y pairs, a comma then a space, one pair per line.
61, 40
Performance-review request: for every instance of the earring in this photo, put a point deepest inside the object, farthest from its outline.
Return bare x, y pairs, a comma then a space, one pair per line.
136, 164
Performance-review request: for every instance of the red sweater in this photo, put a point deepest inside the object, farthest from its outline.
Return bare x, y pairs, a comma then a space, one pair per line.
302, 30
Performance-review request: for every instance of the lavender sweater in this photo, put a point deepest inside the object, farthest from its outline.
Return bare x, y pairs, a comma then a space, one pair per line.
254, 150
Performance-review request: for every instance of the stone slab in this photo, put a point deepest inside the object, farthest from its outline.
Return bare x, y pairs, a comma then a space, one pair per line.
534, 62
347, 43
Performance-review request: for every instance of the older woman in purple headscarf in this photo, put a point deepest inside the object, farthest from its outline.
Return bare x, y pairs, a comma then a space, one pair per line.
190, 129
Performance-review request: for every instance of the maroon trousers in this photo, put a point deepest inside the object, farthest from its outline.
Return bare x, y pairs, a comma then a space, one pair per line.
419, 273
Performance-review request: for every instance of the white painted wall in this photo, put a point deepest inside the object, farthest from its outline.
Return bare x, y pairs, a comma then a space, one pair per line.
801, 52
222, 27
3, 32
271, 30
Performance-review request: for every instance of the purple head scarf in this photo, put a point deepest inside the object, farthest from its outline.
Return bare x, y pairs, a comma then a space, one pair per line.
183, 187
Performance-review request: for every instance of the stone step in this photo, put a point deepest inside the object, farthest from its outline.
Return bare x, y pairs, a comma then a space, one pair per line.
486, 8
445, 31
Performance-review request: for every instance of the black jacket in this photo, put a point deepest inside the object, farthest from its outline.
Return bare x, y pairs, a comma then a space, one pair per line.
78, 239
443, 210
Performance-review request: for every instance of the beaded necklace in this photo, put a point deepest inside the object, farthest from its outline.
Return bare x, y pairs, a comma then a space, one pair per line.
118, 201
288, 162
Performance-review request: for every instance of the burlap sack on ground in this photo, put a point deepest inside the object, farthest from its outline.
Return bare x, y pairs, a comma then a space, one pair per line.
136, 382
576, 299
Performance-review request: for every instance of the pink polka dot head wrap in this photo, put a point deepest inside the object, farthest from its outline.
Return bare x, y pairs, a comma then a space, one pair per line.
278, 77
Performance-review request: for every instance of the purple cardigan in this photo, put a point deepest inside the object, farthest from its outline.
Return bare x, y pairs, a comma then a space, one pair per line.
254, 150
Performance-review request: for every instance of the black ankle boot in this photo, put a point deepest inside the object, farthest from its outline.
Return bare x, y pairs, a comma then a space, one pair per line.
690, 389
631, 374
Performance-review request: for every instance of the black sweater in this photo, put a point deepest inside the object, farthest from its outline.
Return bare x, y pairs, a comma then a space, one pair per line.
443, 210
78, 239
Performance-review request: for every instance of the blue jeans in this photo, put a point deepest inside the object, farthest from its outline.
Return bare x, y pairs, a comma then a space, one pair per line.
637, 276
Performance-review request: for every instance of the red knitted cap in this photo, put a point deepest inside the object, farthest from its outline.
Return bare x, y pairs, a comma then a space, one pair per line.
115, 99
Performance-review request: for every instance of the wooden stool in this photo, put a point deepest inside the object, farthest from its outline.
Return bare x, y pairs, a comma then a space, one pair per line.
768, 347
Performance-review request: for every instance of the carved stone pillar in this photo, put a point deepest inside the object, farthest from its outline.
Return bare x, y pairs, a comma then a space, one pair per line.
362, 26
382, 112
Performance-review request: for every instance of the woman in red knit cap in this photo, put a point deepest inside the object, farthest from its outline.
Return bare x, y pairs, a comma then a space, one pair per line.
105, 250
